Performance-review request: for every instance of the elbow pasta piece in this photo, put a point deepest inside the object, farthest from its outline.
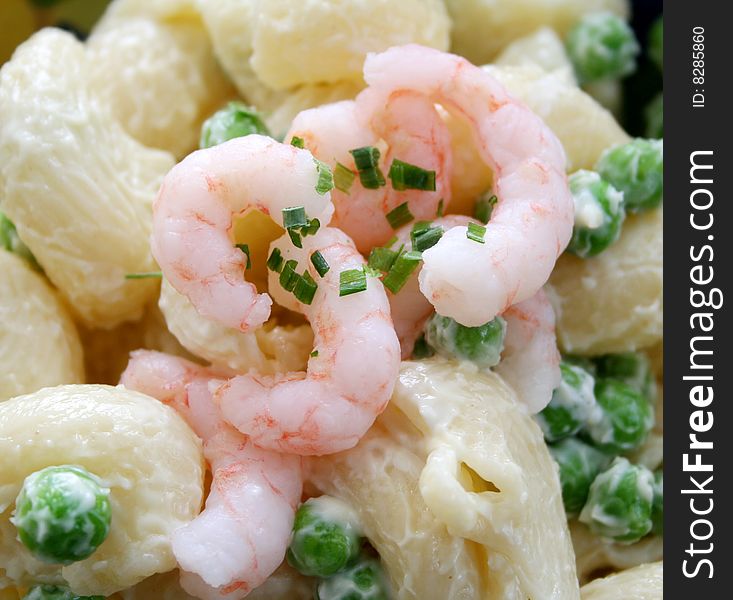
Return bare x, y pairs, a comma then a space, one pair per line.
77, 187
583, 126
594, 554
456, 458
612, 302
39, 344
320, 41
481, 28
279, 44
640, 583
141, 449
231, 25
542, 48
161, 80
514, 507
379, 478
269, 350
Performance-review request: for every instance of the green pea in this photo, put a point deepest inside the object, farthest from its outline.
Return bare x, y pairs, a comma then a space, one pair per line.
632, 368
654, 115
601, 46
10, 241
364, 580
54, 592
326, 537
573, 404
578, 464
619, 505
658, 503
626, 417
580, 361
233, 121
655, 47
62, 514
481, 345
599, 213
636, 169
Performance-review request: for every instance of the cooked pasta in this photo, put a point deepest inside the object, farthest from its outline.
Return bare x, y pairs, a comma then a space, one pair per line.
63, 198
114, 433
297, 304
30, 310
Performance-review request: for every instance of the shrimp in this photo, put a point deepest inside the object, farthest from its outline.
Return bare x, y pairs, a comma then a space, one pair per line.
410, 309
413, 131
350, 376
532, 223
242, 534
530, 362
192, 220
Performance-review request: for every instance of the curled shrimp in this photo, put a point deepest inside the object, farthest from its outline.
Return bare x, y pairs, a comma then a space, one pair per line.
350, 375
413, 132
410, 309
242, 534
532, 222
192, 220
530, 362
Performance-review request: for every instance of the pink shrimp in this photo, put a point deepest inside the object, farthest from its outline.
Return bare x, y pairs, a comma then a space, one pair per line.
351, 375
532, 223
413, 131
192, 220
530, 362
242, 534
410, 309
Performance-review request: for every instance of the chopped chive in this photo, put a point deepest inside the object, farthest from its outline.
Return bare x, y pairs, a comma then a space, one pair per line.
370, 272
297, 142
425, 238
420, 226
382, 259
405, 176
325, 177
476, 233
366, 160
392, 241
295, 237
352, 281
314, 354
294, 216
399, 216
484, 207
312, 227
152, 275
320, 263
288, 276
441, 208
275, 262
401, 270
305, 288
245, 248
343, 178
